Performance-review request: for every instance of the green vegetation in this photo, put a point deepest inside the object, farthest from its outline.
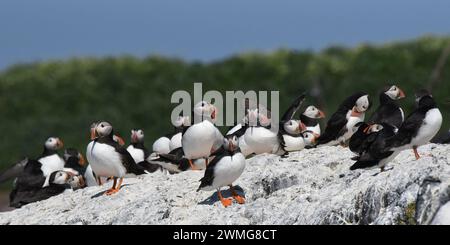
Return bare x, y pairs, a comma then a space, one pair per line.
62, 98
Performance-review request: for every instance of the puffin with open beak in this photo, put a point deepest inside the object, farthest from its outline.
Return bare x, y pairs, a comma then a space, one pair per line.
227, 166
389, 111
200, 139
340, 126
109, 159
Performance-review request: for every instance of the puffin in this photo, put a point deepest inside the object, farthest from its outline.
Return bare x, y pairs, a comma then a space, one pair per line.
201, 138
227, 166
310, 118
32, 185
137, 149
389, 111
75, 160
50, 159
90, 177
376, 152
290, 134
109, 159
340, 126
420, 126
292, 142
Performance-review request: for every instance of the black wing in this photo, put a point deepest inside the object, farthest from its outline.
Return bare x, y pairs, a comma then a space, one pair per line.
14, 171
128, 161
334, 127
409, 128
23, 197
387, 113
208, 178
289, 114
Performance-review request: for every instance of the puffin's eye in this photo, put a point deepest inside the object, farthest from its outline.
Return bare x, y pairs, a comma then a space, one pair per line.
101, 125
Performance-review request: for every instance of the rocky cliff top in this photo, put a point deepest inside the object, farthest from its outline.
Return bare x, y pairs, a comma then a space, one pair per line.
309, 187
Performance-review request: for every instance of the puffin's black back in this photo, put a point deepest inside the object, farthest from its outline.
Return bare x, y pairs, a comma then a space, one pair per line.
387, 112
413, 122
338, 120
358, 138
376, 149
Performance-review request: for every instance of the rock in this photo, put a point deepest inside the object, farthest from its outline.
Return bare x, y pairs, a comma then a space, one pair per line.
313, 186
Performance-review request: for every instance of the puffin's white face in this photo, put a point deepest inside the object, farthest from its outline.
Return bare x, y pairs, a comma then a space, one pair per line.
137, 136
362, 104
294, 127
313, 112
61, 178
54, 143
395, 93
375, 128
205, 109
103, 129
309, 137
231, 143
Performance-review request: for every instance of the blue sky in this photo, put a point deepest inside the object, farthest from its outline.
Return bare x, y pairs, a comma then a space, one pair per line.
205, 29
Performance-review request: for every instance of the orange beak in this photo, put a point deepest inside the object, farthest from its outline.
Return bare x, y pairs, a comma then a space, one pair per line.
82, 162
93, 134
60, 144
213, 114
355, 113
316, 136
231, 146
302, 127
134, 137
120, 140
367, 129
321, 114
401, 94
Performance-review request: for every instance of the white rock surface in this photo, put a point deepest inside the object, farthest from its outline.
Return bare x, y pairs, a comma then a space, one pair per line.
309, 187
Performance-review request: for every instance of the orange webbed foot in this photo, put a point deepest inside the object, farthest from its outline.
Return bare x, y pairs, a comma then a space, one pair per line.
226, 202
239, 199
111, 192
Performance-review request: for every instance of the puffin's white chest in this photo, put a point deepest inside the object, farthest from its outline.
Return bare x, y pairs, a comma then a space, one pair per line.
261, 140
51, 164
430, 127
198, 140
293, 143
137, 154
161, 145
105, 161
175, 142
314, 129
228, 170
